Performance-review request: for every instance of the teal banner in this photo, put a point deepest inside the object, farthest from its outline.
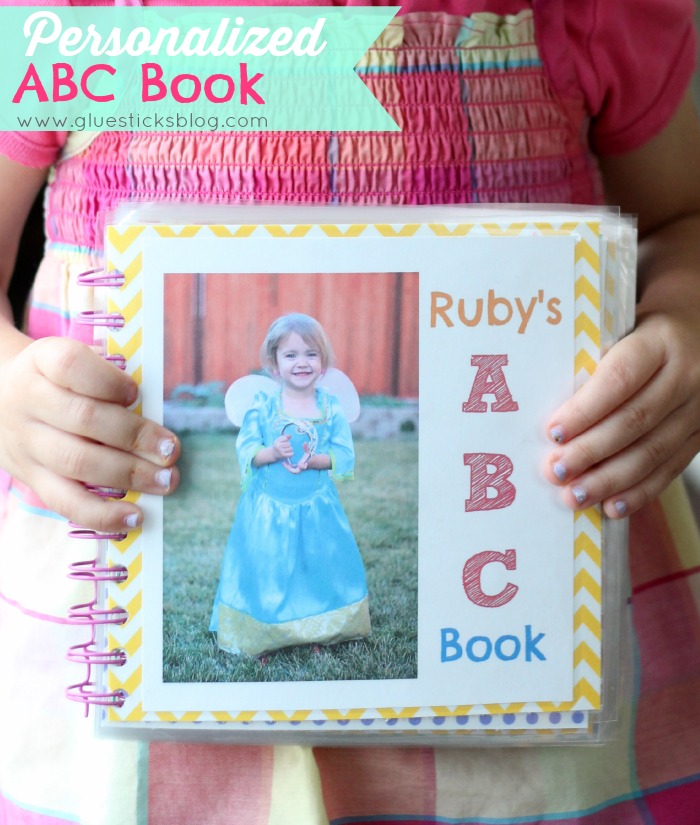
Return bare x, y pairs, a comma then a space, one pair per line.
190, 68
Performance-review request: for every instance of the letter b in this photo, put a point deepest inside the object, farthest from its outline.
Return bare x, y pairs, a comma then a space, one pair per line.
148, 80
450, 651
63, 78
482, 480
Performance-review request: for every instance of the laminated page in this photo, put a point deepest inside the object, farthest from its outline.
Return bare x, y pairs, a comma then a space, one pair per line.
363, 541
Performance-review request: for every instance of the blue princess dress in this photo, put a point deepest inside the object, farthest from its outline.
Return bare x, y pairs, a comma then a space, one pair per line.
292, 572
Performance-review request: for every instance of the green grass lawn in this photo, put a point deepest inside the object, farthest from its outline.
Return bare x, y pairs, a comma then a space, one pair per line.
382, 507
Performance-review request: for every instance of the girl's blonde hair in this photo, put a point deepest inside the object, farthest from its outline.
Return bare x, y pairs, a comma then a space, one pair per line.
305, 326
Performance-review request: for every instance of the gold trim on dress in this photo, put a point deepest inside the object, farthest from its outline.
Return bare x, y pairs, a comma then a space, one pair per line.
240, 633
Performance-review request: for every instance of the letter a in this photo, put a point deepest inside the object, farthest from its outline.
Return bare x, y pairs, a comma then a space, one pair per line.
31, 83
490, 380
482, 480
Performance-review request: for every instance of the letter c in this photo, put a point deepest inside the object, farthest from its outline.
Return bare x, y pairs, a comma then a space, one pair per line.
471, 578
98, 67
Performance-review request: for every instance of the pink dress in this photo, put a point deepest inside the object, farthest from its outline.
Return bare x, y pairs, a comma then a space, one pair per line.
500, 101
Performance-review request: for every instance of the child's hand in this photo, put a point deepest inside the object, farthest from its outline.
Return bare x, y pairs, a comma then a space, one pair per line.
64, 424
282, 449
301, 465
303, 462
635, 425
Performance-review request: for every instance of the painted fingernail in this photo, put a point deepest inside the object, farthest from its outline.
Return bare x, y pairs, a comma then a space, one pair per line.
132, 520
621, 508
559, 471
556, 434
166, 447
163, 478
579, 494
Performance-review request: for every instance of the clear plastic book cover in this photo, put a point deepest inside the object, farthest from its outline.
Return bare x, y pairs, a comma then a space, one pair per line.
362, 547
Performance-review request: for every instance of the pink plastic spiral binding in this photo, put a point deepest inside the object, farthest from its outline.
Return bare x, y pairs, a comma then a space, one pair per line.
93, 318
118, 361
87, 654
106, 492
83, 692
78, 532
91, 571
98, 277
89, 613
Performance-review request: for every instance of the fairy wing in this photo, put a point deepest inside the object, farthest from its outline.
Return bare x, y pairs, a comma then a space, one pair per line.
337, 383
239, 396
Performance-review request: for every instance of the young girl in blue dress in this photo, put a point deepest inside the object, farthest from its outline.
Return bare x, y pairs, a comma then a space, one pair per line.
292, 572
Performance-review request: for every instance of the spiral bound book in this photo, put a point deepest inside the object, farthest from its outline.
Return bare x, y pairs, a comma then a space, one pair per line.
362, 546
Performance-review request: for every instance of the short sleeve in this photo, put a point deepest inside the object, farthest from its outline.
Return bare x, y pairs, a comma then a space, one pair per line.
341, 448
251, 437
634, 60
38, 149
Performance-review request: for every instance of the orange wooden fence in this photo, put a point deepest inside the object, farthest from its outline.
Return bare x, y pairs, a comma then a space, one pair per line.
215, 324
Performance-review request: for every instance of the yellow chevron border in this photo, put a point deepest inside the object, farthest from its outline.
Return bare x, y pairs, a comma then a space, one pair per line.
588, 280
180, 232
337, 715
352, 231
121, 241
124, 251
499, 230
284, 232
459, 231
387, 230
232, 231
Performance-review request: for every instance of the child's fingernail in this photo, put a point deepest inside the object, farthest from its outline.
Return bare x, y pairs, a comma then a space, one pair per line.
621, 508
132, 394
163, 478
132, 520
559, 471
556, 434
166, 447
579, 494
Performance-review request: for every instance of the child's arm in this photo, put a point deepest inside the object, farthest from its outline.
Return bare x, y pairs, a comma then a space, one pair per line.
635, 425
280, 450
341, 450
318, 461
63, 416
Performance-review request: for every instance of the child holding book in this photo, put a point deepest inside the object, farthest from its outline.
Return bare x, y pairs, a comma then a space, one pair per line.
499, 100
292, 572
